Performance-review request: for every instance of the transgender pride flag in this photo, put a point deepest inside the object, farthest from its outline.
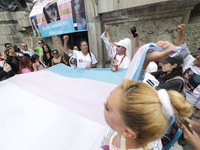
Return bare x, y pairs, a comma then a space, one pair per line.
58, 108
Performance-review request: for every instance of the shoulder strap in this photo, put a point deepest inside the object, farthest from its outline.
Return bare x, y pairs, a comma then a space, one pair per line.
180, 78
177, 77
42, 64
90, 57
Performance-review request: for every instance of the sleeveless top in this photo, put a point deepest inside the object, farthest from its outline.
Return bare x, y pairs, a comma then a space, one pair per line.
48, 61
61, 61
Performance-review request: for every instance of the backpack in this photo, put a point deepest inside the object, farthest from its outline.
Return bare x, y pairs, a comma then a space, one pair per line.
180, 78
172, 135
174, 132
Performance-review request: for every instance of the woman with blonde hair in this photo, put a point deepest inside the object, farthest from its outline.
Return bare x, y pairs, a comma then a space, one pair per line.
140, 114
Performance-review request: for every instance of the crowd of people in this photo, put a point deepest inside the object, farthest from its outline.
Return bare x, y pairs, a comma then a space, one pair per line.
138, 113
21, 60
24, 60
179, 73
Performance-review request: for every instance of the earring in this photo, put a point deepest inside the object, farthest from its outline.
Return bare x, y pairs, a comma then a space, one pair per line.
123, 143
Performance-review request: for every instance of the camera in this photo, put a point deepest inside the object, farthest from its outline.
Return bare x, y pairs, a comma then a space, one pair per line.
16, 48
133, 30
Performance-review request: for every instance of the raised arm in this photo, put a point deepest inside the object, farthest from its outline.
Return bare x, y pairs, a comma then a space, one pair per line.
60, 45
109, 36
158, 55
180, 42
32, 43
180, 36
65, 49
136, 41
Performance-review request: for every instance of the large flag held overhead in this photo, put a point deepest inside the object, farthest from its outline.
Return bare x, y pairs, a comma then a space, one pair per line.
59, 108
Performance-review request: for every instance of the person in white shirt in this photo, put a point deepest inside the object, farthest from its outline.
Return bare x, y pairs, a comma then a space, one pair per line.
85, 59
191, 70
25, 50
118, 52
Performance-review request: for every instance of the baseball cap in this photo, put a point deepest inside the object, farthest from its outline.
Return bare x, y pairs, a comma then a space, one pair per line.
173, 60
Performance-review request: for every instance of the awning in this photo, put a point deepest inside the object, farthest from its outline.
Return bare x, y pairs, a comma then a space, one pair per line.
50, 17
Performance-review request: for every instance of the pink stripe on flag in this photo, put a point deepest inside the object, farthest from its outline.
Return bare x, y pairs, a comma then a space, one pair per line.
132, 62
82, 96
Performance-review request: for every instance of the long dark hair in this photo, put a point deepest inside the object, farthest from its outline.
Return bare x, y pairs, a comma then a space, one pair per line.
177, 71
45, 53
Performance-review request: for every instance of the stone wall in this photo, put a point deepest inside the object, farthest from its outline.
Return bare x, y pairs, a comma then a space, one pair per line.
16, 28
155, 22
192, 35
9, 26
105, 6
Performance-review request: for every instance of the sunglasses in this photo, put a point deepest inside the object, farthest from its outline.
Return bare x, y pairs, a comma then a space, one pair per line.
119, 46
8, 46
54, 53
40, 43
24, 46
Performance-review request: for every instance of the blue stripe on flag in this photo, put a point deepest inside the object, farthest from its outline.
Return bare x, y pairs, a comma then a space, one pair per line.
99, 74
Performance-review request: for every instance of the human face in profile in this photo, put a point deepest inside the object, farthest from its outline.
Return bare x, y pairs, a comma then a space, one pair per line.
167, 67
111, 110
12, 52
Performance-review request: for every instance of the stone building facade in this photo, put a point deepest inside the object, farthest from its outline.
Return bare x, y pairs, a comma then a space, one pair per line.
155, 20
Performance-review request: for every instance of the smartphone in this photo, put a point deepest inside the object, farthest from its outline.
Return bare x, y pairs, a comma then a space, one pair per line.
186, 124
133, 30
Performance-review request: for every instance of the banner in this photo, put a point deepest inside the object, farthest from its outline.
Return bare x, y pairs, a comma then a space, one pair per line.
55, 17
